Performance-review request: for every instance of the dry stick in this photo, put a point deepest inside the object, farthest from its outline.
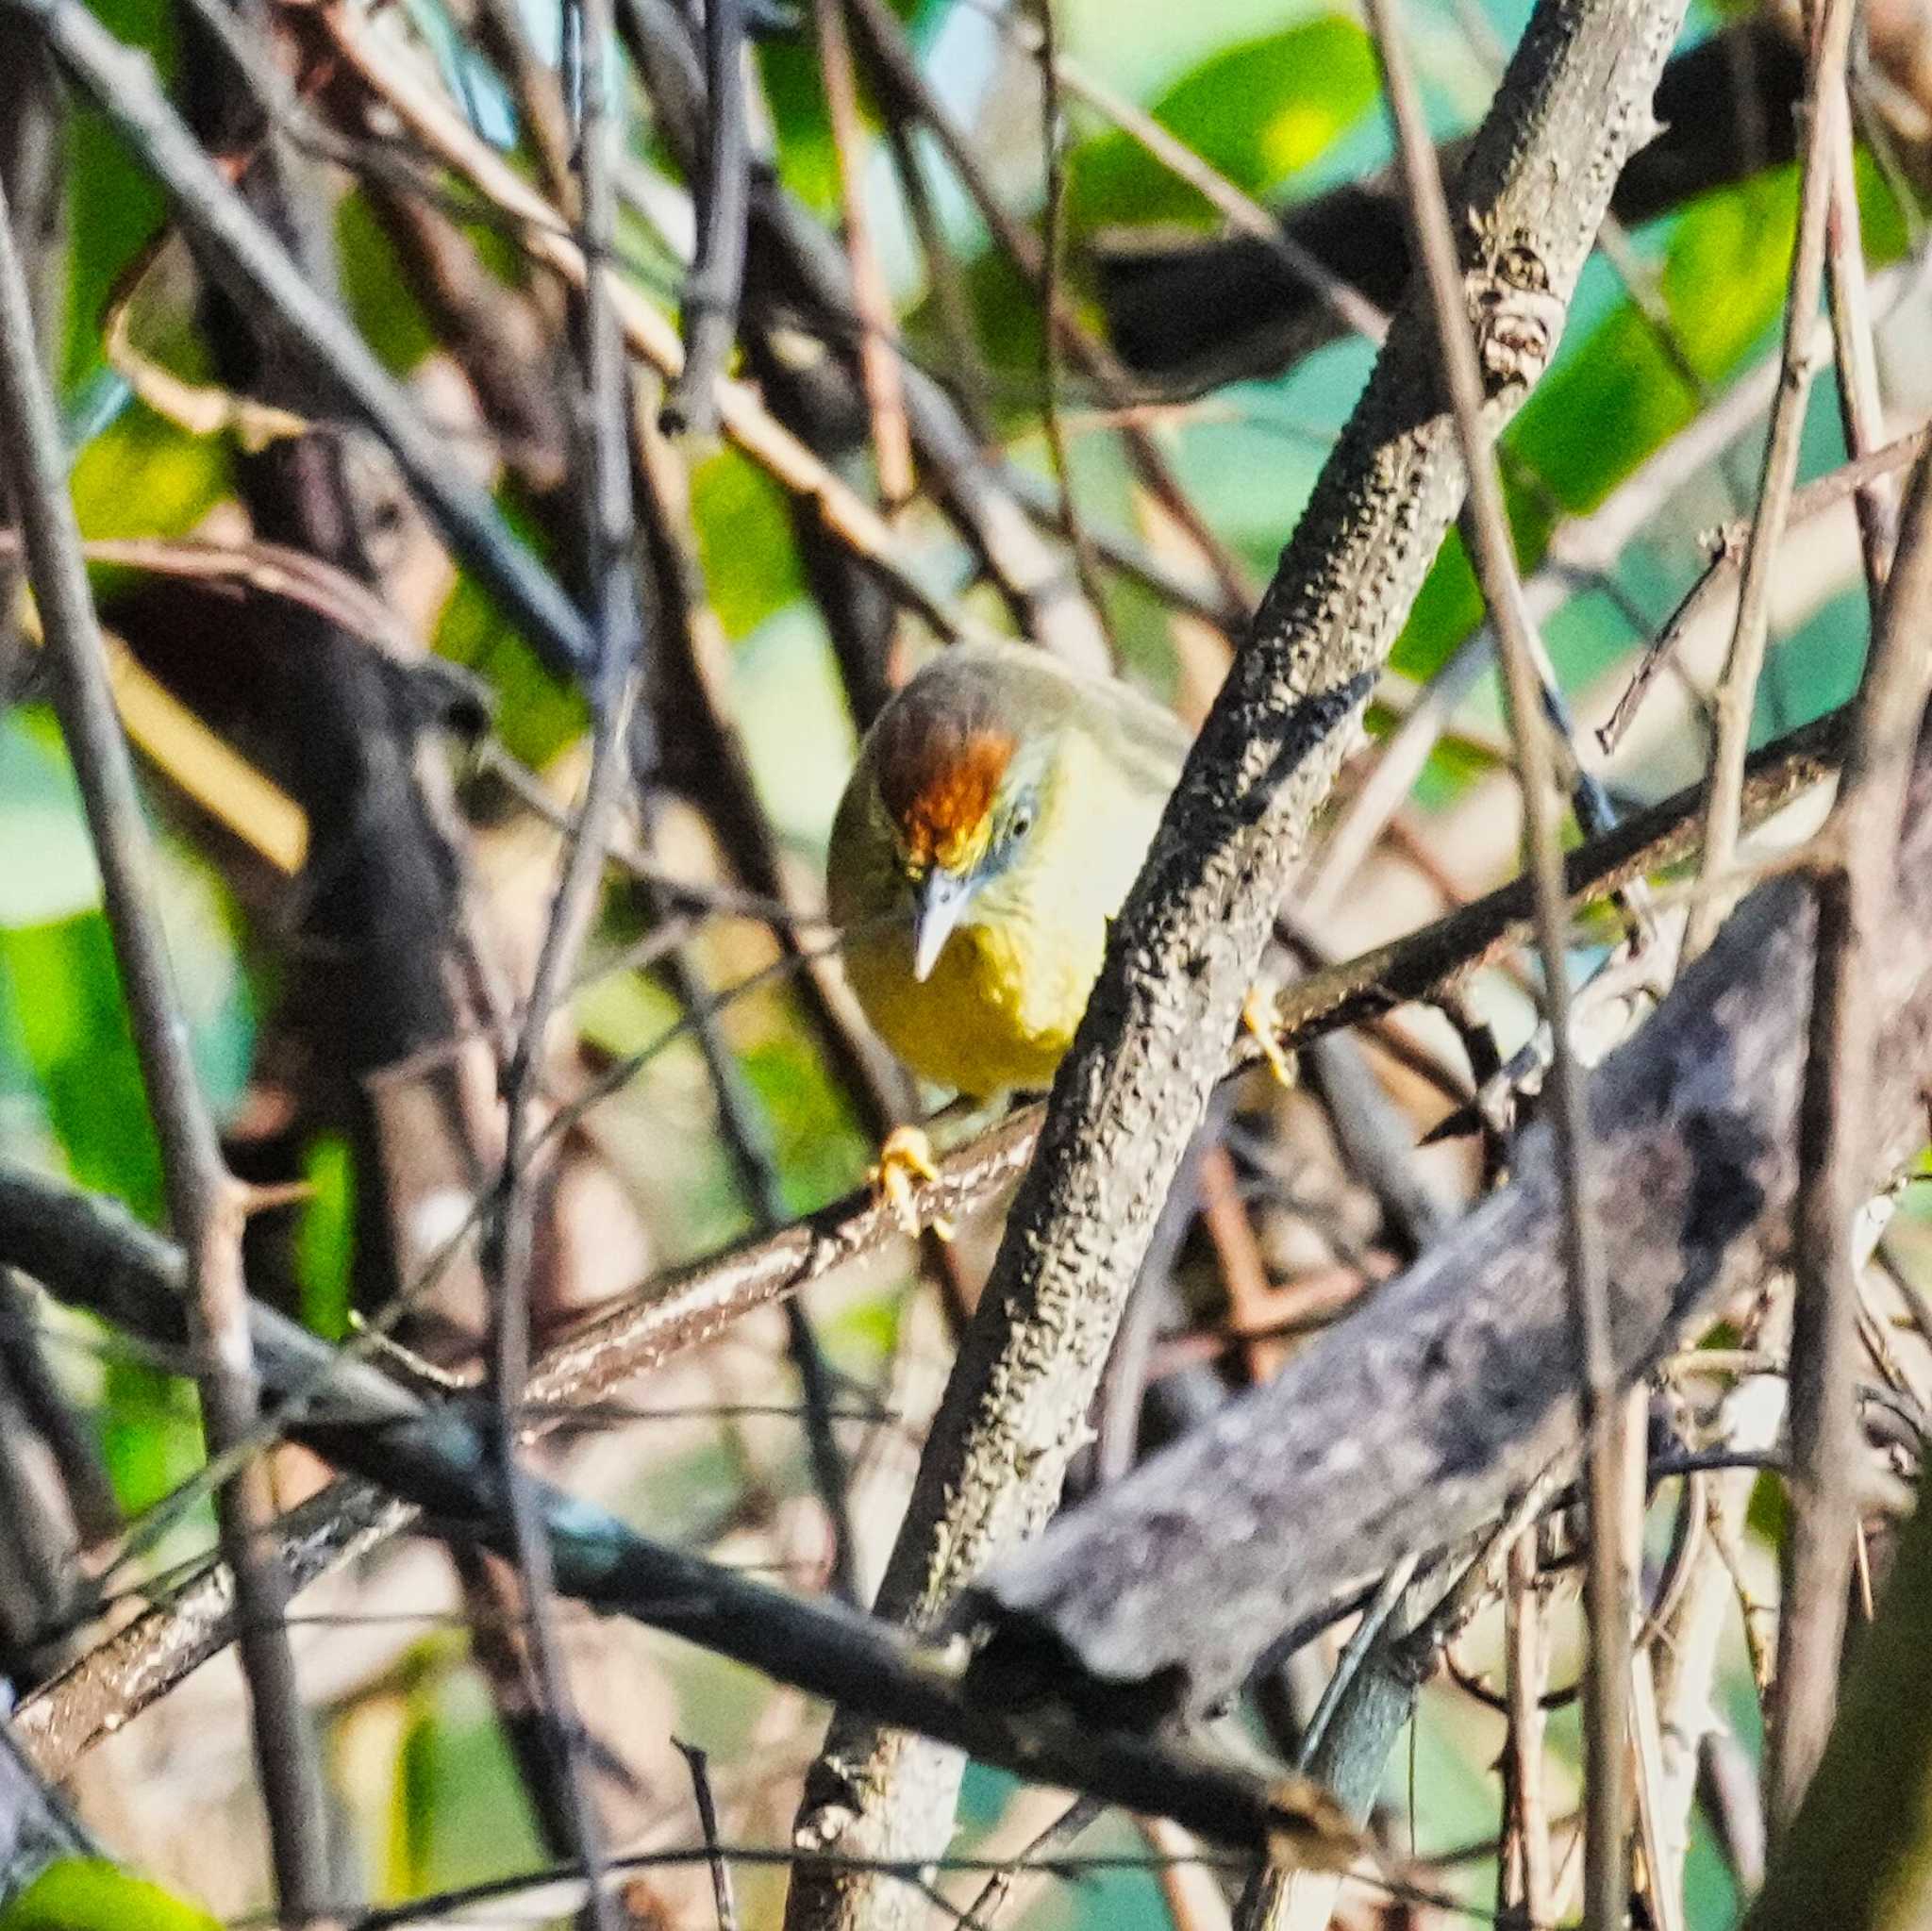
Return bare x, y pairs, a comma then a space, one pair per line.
1848, 297
1608, 1590
1182, 956
1857, 852
206, 1202
879, 358
707, 1802
716, 281
94, 1255
1526, 1879
886, 44
675, 1313
746, 835
1736, 690
619, 671
1053, 248
261, 276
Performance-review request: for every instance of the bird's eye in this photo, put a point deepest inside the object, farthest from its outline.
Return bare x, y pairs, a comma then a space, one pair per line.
1021, 823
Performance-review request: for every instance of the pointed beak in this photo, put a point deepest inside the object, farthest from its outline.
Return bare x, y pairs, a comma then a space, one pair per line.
941, 903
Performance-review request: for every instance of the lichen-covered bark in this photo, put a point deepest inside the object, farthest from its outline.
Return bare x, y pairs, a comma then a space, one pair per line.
1575, 102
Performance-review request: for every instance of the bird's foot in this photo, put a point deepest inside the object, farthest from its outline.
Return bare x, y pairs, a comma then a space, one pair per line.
904, 1160
1260, 1017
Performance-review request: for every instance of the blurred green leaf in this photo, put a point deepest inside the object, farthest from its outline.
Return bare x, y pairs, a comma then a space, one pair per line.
378, 297
91, 1894
1259, 113
536, 716
324, 1243
115, 207
744, 542
458, 1813
142, 476
66, 996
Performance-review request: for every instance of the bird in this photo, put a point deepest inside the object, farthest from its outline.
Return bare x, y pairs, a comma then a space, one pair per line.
998, 812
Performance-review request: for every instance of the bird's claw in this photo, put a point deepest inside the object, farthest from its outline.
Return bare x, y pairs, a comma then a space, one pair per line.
905, 1158
1260, 1017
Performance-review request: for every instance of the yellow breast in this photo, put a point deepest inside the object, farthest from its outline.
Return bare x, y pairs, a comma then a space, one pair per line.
999, 1008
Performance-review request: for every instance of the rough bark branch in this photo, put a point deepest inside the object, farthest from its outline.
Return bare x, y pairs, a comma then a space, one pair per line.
1412, 1422
90, 1254
142, 1662
1575, 102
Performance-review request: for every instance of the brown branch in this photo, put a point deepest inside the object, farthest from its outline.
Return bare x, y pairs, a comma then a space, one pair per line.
1737, 688
205, 1202
1836, 1141
1184, 952
669, 1316
93, 1255
1610, 1579
1414, 1422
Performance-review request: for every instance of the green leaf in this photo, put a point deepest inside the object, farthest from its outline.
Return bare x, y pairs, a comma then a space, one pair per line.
113, 204
142, 476
1258, 112
537, 716
377, 294
744, 542
324, 1242
61, 982
91, 1894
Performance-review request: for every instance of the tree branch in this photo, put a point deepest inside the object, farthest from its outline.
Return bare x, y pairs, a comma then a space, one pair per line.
1183, 955
205, 1202
90, 1254
140, 1664
1412, 1422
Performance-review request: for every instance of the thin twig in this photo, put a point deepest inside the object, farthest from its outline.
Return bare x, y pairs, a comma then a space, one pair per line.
712, 287
1737, 689
878, 348
1857, 854
1860, 409
1053, 248
707, 1802
1487, 525
205, 1202
618, 637
1727, 554
1525, 1883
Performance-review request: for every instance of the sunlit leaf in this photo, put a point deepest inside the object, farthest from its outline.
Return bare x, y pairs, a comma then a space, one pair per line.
91, 1894
324, 1245
1259, 113
744, 542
